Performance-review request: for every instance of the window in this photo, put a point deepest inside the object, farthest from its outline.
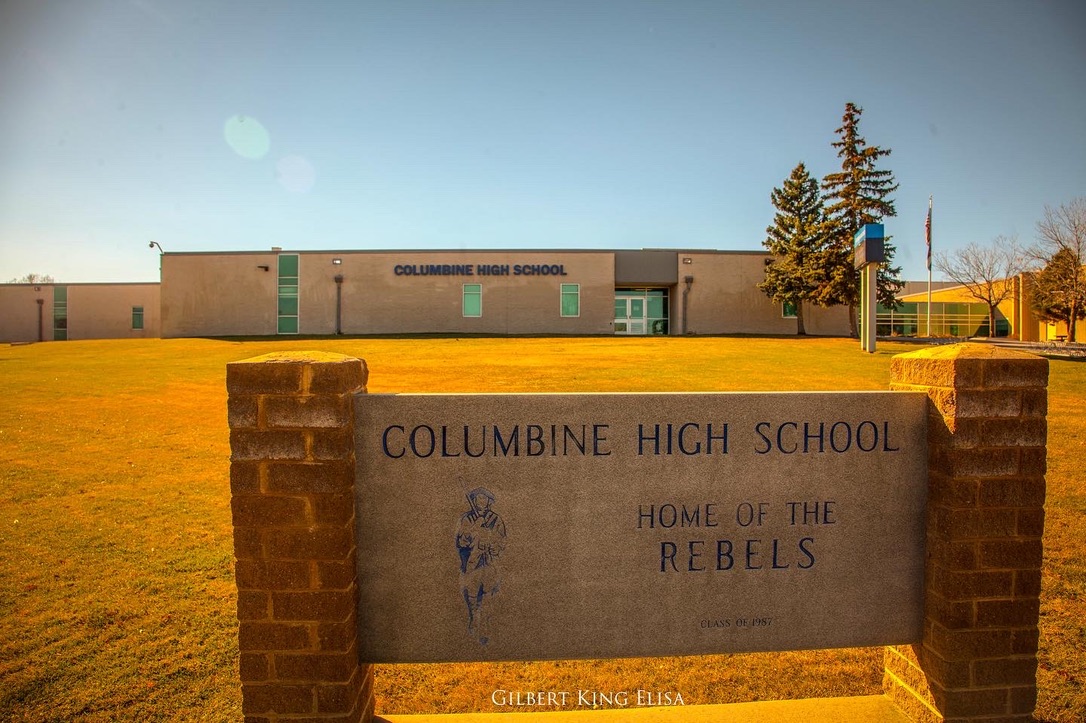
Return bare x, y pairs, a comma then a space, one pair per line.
60, 313
137, 317
788, 310
571, 299
287, 311
473, 300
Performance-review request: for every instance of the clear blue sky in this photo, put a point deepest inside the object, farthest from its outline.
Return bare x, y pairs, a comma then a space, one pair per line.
212, 126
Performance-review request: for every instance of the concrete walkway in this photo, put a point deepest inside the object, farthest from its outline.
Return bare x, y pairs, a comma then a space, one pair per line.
866, 709
1061, 349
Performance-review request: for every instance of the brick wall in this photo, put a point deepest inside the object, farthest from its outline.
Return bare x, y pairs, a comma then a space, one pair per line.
986, 464
292, 482
292, 486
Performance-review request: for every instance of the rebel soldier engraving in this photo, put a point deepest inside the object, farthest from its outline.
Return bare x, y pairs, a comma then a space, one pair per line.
480, 539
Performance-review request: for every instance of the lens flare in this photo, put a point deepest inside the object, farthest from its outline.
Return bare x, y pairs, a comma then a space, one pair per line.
246, 137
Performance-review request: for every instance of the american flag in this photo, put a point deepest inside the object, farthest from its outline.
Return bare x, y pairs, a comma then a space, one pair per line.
927, 232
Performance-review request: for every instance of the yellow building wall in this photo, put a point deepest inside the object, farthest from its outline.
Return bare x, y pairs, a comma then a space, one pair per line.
1024, 322
1036, 329
1010, 308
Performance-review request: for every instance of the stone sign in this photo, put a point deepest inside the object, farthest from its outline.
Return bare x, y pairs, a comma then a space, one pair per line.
529, 527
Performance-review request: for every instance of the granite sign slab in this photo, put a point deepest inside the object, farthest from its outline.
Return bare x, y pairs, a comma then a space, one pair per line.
529, 527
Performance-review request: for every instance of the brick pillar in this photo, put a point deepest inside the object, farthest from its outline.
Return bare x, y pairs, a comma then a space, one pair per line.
987, 433
292, 485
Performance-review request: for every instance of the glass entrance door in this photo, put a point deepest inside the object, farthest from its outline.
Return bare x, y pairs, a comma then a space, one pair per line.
630, 316
641, 311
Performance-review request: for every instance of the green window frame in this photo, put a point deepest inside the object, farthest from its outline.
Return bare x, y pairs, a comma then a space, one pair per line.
287, 298
137, 317
472, 300
788, 310
60, 313
570, 299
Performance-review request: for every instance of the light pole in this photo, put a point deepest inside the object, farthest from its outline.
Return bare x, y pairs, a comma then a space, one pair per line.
160, 254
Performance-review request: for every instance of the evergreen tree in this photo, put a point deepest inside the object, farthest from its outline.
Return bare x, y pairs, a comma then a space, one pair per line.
859, 194
1059, 291
1061, 247
796, 239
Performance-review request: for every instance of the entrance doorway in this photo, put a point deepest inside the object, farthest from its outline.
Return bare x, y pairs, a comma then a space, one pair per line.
641, 312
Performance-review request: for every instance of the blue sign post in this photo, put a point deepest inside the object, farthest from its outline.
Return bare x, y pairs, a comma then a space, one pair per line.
870, 252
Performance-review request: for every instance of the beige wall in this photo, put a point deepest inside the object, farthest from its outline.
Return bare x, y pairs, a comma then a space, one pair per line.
219, 294
104, 311
19, 312
377, 301
725, 299
95, 311
228, 294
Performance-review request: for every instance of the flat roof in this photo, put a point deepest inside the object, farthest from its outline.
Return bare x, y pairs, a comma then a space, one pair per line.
760, 252
84, 283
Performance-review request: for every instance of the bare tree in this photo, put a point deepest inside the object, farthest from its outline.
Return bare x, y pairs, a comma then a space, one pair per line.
986, 272
1062, 232
33, 279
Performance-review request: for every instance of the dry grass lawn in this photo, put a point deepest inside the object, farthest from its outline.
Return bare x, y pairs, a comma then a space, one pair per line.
116, 572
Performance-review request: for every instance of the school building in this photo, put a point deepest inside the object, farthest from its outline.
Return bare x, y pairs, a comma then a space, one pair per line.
956, 313
59, 312
501, 292
474, 292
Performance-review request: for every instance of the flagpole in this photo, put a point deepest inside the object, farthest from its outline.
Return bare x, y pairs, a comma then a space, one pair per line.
927, 233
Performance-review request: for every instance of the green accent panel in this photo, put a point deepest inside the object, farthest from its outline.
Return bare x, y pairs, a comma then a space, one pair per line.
60, 313
288, 325
288, 265
137, 317
288, 306
788, 310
